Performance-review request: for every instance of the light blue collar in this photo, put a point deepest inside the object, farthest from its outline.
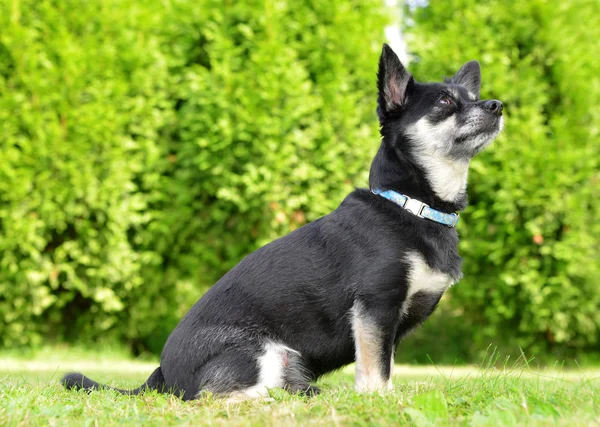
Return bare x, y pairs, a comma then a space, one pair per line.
420, 209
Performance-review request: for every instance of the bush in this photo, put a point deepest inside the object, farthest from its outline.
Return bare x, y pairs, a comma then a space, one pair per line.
83, 99
530, 237
147, 147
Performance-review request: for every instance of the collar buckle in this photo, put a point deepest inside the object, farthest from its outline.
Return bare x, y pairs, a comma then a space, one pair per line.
455, 216
415, 206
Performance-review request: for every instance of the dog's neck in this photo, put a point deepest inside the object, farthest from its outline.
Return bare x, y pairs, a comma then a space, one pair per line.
442, 186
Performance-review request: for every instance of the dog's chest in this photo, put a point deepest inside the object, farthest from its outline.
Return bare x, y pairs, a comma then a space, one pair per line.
423, 281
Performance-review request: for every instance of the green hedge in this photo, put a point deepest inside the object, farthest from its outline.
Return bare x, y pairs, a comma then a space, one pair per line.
531, 235
148, 146
84, 101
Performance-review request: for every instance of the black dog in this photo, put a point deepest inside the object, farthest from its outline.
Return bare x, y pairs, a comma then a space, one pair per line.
346, 287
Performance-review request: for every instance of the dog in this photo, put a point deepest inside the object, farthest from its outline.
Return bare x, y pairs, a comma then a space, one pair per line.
348, 286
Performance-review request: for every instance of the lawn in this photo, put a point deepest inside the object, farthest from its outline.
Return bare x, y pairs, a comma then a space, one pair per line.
517, 395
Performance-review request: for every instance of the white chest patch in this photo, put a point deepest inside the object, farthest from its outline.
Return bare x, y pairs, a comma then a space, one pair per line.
422, 278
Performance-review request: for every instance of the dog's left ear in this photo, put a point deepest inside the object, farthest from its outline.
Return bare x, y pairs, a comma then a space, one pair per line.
469, 76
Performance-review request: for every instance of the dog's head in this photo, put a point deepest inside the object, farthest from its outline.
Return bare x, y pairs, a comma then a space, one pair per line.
439, 126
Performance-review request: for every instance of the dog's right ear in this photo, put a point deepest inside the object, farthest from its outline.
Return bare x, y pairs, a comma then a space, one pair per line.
469, 76
393, 81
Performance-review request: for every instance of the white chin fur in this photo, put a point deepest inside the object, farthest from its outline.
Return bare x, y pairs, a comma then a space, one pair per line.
480, 142
447, 176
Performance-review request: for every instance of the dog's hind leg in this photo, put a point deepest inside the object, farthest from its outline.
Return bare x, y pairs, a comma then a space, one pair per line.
228, 373
249, 373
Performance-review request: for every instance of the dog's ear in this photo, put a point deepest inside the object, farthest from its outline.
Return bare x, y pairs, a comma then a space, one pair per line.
469, 76
393, 81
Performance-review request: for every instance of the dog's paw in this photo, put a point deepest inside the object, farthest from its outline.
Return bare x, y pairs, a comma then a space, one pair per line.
311, 391
306, 390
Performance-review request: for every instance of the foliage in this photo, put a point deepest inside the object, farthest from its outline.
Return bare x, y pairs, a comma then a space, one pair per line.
530, 237
148, 146
83, 99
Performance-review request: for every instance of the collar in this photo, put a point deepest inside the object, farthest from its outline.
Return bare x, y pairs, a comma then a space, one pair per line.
418, 208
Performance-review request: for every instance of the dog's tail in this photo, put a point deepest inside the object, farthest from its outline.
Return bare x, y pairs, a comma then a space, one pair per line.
77, 381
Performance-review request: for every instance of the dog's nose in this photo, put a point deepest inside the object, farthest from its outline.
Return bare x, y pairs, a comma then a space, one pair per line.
494, 106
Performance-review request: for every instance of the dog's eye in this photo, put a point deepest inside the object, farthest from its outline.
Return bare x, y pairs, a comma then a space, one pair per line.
446, 100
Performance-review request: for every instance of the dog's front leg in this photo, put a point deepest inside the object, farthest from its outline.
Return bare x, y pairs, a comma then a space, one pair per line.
374, 332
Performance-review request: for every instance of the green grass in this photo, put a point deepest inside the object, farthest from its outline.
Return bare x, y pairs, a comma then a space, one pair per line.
30, 395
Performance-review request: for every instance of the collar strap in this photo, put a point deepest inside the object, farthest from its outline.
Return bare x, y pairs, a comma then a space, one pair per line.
418, 208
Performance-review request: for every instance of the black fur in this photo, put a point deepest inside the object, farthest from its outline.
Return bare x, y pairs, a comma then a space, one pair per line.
299, 290
77, 381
